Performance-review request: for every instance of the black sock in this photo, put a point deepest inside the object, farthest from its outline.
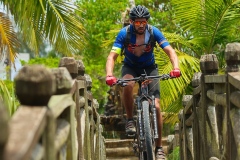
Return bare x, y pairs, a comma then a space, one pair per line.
130, 119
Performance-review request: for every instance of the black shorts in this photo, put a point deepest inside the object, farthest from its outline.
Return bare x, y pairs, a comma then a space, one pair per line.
153, 87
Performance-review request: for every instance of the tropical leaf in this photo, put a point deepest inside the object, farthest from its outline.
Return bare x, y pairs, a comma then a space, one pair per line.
54, 20
112, 35
183, 44
209, 21
172, 89
5, 96
8, 38
172, 111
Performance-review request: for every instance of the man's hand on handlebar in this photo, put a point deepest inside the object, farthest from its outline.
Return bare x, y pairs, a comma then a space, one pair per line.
175, 73
111, 80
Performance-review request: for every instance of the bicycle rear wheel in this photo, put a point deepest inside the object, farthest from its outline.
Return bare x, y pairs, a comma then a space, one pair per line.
147, 131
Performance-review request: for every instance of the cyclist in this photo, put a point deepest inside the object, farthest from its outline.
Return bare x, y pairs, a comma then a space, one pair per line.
139, 59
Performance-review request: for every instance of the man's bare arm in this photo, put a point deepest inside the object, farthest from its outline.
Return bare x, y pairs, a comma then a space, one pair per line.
110, 63
172, 55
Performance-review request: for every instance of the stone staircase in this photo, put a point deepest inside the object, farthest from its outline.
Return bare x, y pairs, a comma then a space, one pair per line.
121, 149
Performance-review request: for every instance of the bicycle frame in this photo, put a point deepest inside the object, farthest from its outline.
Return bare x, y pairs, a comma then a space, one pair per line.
143, 95
145, 140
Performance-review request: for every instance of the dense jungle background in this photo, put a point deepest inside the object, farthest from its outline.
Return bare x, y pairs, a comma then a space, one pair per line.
85, 29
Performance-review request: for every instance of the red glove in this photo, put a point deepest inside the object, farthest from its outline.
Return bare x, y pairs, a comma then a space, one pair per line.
111, 80
175, 72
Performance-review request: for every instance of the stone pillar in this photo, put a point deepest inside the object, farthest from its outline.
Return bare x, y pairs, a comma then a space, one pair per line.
81, 67
176, 136
197, 121
208, 66
187, 131
63, 80
34, 85
71, 65
4, 130
232, 57
88, 82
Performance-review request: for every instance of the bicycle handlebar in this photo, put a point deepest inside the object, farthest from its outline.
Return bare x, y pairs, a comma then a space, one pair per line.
143, 77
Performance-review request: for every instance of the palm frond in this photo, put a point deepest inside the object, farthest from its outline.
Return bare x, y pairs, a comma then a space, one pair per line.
51, 19
173, 88
207, 20
112, 35
172, 111
8, 38
179, 42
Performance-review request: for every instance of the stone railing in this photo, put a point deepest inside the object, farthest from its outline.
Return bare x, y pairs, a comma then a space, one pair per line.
210, 121
57, 118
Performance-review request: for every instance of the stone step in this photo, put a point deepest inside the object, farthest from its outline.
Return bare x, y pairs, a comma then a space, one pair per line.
125, 151
114, 143
119, 152
165, 141
122, 158
122, 149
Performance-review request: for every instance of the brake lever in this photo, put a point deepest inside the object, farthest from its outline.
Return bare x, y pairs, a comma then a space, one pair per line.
124, 84
165, 77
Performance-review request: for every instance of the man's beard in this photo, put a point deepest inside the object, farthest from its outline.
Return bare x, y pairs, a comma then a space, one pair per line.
142, 31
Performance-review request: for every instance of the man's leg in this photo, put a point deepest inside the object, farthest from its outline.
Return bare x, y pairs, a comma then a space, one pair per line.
128, 97
128, 104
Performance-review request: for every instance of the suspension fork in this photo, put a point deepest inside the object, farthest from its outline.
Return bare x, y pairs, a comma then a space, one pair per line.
154, 118
139, 121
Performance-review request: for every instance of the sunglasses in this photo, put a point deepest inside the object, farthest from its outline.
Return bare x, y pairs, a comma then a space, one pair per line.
138, 23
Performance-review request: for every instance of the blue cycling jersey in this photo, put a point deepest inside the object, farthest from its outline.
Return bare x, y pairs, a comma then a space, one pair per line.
147, 58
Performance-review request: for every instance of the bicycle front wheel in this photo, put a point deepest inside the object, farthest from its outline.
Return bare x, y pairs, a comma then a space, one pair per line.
147, 131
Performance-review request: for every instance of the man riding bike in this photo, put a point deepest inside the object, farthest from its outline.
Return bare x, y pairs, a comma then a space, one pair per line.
137, 41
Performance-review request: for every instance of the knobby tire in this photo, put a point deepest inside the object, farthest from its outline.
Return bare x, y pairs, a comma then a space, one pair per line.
147, 130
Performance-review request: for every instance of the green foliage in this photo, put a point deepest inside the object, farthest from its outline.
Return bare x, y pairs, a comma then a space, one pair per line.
210, 22
161, 15
99, 19
205, 28
53, 20
174, 155
8, 38
183, 44
99, 90
9, 85
49, 62
7, 94
172, 90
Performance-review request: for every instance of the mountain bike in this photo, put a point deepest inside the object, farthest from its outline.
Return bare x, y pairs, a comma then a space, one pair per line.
146, 118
